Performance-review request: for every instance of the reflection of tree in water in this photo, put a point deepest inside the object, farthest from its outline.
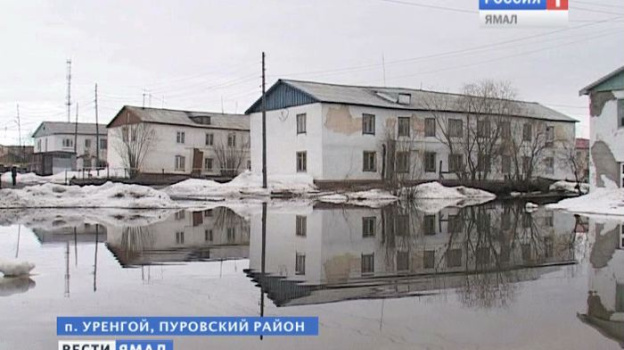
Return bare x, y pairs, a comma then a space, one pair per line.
226, 218
134, 240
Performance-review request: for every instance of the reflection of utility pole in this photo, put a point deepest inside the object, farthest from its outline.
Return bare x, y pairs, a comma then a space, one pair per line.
76, 246
67, 270
263, 260
382, 312
264, 155
97, 231
19, 232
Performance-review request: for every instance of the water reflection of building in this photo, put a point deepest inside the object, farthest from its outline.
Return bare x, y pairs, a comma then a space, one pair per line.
82, 233
605, 300
184, 236
326, 255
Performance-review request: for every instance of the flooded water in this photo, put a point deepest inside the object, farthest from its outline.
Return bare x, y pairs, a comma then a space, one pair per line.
400, 277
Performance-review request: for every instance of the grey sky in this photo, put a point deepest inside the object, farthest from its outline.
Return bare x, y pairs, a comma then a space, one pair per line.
203, 55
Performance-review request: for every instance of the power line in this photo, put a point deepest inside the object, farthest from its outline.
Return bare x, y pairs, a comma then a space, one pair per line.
435, 7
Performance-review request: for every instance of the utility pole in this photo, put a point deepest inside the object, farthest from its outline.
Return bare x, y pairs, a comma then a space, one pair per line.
76, 140
68, 103
19, 130
97, 135
264, 147
144, 93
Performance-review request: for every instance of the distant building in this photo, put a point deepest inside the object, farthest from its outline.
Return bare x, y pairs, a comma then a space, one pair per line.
60, 146
346, 133
582, 158
157, 141
606, 97
19, 156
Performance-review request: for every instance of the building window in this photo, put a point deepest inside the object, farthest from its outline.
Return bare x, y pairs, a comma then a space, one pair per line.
549, 165
526, 164
68, 143
87, 143
456, 162
301, 226
179, 163
527, 132
179, 215
454, 224
403, 162
208, 213
429, 259
231, 234
368, 226
484, 163
301, 123
180, 136
453, 258
231, 140
180, 237
125, 132
368, 124
39, 145
620, 113
208, 235
550, 136
369, 161
402, 225
456, 128
548, 220
483, 128
506, 220
208, 164
429, 222
402, 261
302, 162
430, 162
103, 143
404, 126
368, 264
209, 139
299, 264
430, 127
483, 256
505, 130
506, 164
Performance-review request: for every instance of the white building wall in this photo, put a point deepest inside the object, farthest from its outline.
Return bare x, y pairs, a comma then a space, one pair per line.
54, 143
604, 128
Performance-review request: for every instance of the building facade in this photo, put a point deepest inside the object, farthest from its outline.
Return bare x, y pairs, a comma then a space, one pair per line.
341, 133
606, 147
165, 141
60, 146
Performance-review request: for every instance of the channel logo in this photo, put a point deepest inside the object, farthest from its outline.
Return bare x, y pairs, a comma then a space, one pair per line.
526, 13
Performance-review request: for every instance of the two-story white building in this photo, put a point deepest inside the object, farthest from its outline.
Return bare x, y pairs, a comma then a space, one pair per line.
606, 122
342, 133
60, 146
167, 141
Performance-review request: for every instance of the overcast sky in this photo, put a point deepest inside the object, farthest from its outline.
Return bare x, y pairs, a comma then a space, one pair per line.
205, 55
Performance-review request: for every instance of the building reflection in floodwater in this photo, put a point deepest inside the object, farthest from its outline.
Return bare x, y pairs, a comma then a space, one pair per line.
331, 254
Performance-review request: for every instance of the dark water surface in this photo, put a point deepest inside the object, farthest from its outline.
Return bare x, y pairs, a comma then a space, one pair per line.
400, 277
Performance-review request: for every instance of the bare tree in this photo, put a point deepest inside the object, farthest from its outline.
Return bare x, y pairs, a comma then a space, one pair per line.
230, 156
526, 148
134, 142
576, 163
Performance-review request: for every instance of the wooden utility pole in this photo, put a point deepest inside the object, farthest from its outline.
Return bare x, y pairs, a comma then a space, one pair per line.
264, 155
19, 131
76, 140
97, 135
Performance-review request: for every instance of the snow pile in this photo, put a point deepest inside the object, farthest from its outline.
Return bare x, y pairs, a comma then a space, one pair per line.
372, 198
15, 285
28, 178
109, 195
245, 184
603, 201
435, 190
13, 268
565, 186
56, 218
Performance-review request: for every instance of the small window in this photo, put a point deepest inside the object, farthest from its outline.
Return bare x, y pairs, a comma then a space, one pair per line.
180, 215
549, 165
456, 162
402, 261
430, 127
301, 123
301, 226
68, 143
506, 164
208, 164
506, 130
231, 234
180, 237
299, 264
527, 132
429, 259
208, 213
506, 220
429, 222
402, 225
550, 136
483, 256
208, 235
87, 143
404, 99
231, 140
209, 139
484, 164
125, 132
454, 258
368, 226
620, 113
548, 220
483, 128
454, 223
368, 264
369, 161
403, 162
404, 126
179, 163
302, 162
456, 128
103, 144
430, 162
368, 124
39, 145
526, 164
180, 136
